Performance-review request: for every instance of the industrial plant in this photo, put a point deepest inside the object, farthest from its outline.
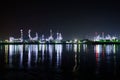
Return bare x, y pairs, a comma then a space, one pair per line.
58, 38
42, 39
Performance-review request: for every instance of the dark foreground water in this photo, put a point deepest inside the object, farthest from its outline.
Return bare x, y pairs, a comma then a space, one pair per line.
60, 62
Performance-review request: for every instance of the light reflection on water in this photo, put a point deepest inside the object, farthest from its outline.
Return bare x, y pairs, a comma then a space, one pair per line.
76, 57
14, 50
48, 50
58, 49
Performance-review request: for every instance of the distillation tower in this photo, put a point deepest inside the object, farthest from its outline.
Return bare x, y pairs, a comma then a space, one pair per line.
32, 38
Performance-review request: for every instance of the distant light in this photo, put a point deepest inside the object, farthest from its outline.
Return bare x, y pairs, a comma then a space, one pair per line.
6, 40
75, 40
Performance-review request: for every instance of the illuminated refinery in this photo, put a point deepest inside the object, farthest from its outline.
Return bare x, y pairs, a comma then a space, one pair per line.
59, 39
50, 39
104, 38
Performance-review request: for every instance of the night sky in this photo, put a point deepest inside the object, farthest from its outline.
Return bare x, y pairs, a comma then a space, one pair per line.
73, 19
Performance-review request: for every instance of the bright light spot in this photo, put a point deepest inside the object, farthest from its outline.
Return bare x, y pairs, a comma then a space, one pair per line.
75, 40
75, 48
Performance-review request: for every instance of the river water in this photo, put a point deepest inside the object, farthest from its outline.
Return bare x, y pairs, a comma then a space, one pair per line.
60, 62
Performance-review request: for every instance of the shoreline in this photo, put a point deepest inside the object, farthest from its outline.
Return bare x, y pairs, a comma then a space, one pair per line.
94, 43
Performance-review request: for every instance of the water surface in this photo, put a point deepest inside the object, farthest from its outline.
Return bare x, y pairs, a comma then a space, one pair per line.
60, 62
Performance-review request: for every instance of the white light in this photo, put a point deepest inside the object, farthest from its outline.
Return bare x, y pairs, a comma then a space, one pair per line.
75, 40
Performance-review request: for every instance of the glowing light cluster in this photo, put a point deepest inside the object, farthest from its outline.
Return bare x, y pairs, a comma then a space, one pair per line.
108, 37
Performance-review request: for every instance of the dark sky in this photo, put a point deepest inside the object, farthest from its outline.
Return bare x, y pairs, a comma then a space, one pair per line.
74, 19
